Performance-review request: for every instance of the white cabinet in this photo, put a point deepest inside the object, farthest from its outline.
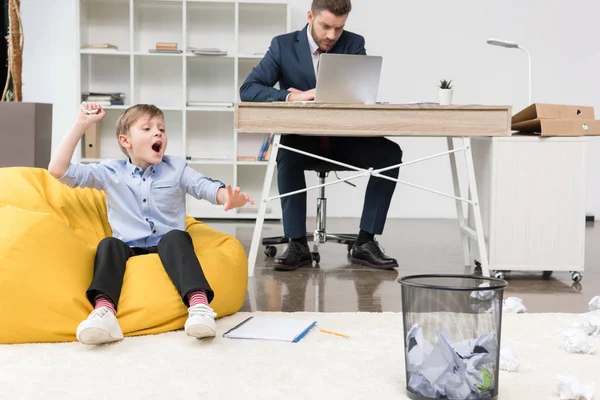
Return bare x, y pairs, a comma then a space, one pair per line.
203, 132
532, 192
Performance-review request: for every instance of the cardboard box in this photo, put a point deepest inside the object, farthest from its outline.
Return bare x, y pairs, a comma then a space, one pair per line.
553, 111
559, 127
556, 120
91, 140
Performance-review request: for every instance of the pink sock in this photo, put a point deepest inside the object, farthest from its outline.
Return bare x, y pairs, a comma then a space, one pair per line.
198, 297
105, 302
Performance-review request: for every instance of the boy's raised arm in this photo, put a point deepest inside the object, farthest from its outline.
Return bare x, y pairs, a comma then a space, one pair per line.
60, 165
61, 159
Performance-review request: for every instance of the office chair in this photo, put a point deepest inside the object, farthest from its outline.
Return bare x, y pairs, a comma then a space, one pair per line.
320, 235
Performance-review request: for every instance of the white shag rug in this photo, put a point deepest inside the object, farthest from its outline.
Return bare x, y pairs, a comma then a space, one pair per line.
368, 365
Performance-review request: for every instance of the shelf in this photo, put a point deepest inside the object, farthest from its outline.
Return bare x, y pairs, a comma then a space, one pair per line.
148, 54
211, 25
210, 136
211, 109
205, 131
157, 21
104, 22
106, 73
105, 52
210, 79
154, 86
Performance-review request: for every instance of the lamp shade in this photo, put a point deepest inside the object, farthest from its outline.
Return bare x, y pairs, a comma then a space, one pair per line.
503, 43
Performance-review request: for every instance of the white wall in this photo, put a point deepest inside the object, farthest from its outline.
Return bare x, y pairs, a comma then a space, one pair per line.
421, 42
50, 56
425, 41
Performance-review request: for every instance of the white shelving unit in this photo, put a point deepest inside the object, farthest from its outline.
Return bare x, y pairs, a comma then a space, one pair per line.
203, 134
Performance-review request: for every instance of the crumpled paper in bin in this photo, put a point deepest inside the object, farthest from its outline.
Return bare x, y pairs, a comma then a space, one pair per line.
569, 388
595, 303
483, 294
450, 369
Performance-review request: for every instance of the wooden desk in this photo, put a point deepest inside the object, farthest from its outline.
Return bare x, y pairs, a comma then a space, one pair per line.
379, 120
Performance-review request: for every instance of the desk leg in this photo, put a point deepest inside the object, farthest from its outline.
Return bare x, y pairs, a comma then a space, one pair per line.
262, 209
485, 269
459, 206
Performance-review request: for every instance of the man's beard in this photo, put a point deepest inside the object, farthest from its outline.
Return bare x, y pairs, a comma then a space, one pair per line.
317, 40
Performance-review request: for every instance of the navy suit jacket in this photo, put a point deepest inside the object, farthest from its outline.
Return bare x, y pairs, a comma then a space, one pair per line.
289, 62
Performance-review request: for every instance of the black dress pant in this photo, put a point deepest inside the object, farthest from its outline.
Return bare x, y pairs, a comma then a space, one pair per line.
176, 252
362, 152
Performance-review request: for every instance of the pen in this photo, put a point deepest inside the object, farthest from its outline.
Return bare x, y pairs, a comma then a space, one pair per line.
334, 333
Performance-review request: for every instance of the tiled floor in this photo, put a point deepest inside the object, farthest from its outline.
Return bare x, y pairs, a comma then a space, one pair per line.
420, 246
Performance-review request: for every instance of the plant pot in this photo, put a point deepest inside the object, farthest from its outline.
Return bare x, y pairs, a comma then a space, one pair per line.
25, 134
445, 96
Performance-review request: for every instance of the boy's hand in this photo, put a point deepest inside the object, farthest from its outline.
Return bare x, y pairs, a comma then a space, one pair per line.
235, 199
90, 119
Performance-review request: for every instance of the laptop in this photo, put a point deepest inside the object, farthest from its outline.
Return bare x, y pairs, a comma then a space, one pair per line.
348, 79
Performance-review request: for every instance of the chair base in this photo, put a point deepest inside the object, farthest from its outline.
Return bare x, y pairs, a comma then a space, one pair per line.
318, 238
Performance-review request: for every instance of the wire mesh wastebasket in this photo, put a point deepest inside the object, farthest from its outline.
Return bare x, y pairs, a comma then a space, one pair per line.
452, 326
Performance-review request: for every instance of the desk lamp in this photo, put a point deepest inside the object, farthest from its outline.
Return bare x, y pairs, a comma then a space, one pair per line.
513, 45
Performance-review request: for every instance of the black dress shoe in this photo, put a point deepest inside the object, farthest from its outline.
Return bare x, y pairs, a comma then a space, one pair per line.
295, 256
371, 255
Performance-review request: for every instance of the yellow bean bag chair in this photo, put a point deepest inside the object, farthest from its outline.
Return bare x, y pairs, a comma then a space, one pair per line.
48, 238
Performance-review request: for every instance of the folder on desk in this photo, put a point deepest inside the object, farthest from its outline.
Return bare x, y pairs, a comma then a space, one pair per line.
556, 120
271, 328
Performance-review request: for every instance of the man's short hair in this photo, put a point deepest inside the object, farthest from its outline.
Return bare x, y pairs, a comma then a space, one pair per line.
336, 7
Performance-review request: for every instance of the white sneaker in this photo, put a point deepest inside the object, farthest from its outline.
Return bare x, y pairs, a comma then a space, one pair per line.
101, 326
201, 322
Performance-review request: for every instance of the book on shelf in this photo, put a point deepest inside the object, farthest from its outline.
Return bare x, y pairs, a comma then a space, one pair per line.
104, 98
246, 158
166, 48
207, 51
100, 46
265, 148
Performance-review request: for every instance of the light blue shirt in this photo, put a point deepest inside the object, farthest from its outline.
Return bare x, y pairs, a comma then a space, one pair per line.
143, 206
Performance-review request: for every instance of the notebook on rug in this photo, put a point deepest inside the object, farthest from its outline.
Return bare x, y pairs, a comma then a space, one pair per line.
266, 328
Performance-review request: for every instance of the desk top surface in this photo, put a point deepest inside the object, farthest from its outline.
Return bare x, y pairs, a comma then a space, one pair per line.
300, 104
308, 118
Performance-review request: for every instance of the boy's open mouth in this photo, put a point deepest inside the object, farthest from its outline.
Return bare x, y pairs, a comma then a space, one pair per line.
157, 146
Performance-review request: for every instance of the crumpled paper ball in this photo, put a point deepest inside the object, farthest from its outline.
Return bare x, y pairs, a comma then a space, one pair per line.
569, 388
508, 360
577, 341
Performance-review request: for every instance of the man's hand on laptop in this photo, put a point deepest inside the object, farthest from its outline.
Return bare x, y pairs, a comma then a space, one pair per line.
298, 95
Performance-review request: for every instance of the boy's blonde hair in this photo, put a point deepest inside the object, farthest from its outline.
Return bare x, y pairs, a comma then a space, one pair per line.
132, 114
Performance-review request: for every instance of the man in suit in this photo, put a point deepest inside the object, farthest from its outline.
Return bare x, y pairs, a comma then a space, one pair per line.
292, 60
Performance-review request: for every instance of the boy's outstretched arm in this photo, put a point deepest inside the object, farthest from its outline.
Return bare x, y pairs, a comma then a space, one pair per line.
216, 192
61, 159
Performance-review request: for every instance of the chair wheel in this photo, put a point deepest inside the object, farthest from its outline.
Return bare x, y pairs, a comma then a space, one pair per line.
546, 274
270, 251
316, 257
576, 276
499, 274
349, 247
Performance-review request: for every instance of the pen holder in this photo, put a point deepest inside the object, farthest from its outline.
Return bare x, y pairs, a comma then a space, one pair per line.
452, 326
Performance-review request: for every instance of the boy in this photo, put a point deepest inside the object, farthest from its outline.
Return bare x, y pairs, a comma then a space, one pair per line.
145, 196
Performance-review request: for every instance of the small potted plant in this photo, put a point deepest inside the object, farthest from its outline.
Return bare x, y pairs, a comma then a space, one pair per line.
445, 92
